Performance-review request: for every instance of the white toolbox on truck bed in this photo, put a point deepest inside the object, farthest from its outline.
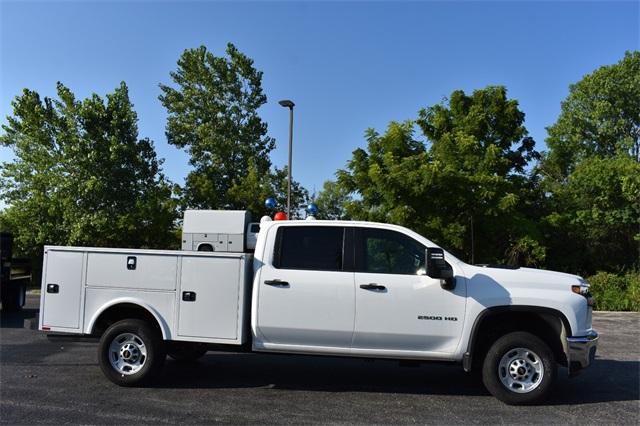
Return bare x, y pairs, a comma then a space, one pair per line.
195, 296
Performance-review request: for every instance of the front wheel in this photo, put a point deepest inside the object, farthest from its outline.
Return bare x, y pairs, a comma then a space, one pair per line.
131, 352
519, 368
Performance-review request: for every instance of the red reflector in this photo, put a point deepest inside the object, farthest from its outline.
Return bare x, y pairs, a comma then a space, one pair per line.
45, 328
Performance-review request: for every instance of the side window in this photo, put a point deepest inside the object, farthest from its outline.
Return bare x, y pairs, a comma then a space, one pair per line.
389, 252
316, 248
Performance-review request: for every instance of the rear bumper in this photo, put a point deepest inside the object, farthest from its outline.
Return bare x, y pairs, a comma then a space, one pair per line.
581, 351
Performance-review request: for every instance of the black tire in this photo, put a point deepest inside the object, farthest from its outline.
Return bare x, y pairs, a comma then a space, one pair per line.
539, 355
186, 352
13, 298
150, 364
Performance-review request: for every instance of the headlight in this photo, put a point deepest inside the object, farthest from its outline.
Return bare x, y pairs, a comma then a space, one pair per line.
583, 290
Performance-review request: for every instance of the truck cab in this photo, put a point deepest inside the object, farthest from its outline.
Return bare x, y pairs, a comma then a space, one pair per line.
353, 288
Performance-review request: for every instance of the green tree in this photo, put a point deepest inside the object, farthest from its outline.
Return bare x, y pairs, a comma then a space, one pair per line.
213, 114
387, 179
483, 149
466, 188
254, 189
299, 194
81, 176
600, 117
598, 215
591, 172
332, 201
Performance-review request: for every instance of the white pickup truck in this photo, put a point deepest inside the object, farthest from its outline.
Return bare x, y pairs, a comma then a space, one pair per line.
338, 288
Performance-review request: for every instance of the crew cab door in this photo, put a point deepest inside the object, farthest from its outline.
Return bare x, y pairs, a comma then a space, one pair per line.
397, 306
306, 295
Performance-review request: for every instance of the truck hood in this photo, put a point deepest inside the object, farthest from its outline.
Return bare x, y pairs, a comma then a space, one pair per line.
522, 277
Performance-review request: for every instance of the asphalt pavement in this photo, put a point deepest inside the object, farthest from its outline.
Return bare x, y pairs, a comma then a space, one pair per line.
46, 382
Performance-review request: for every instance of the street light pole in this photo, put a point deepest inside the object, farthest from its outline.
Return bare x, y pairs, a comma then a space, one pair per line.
289, 104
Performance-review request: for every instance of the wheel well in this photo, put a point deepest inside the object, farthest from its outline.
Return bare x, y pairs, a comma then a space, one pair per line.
547, 325
120, 312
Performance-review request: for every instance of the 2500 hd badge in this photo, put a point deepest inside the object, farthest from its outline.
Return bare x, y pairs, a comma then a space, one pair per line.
436, 318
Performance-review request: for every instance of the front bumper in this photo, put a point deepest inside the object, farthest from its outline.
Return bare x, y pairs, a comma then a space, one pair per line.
581, 351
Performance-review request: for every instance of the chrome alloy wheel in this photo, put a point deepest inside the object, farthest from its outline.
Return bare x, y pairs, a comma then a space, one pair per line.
521, 370
127, 353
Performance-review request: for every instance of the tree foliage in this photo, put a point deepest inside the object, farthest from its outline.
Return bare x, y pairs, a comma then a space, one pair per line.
81, 176
386, 179
598, 209
483, 148
592, 171
465, 188
599, 118
332, 201
213, 114
254, 189
463, 173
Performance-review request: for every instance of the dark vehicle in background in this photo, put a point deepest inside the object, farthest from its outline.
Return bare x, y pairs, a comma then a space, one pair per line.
15, 275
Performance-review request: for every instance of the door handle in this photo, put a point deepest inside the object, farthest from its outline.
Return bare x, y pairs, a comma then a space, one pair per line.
189, 296
53, 288
277, 283
373, 286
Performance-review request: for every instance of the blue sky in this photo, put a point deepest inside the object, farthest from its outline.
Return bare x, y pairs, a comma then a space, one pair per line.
347, 66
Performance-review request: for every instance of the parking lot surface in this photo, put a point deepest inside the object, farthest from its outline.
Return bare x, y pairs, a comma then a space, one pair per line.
46, 382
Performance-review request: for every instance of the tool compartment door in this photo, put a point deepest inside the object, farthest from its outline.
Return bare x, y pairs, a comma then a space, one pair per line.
209, 299
134, 270
62, 288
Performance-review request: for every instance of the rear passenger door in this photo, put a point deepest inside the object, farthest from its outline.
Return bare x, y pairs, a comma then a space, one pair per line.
306, 294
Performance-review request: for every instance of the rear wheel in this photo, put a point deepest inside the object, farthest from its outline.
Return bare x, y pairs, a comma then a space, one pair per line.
519, 368
131, 352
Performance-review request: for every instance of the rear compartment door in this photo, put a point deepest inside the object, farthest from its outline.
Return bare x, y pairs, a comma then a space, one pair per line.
62, 288
209, 299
